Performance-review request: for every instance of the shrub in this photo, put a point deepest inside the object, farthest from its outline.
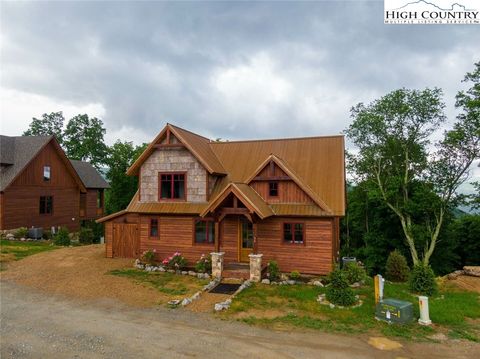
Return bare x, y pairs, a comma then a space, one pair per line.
149, 256
422, 280
21, 232
97, 229
204, 264
85, 236
273, 270
62, 237
354, 273
295, 275
339, 292
397, 268
175, 261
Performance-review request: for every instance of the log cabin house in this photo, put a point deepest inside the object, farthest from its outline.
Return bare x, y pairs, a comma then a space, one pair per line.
281, 199
41, 187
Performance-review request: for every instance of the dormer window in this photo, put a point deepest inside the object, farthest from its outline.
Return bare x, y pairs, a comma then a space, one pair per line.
273, 189
171, 186
46, 173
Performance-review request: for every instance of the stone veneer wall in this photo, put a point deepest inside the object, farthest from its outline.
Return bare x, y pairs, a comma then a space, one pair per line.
173, 160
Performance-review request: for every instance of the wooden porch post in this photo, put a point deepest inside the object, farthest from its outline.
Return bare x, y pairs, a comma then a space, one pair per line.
217, 236
255, 240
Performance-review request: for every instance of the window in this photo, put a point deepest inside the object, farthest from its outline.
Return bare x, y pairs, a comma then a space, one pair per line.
153, 227
46, 173
172, 186
46, 204
273, 189
100, 198
293, 233
204, 231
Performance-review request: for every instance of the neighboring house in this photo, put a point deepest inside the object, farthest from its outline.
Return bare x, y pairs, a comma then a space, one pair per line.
41, 187
282, 198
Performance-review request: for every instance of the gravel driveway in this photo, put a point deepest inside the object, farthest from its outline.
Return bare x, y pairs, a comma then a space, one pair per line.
39, 325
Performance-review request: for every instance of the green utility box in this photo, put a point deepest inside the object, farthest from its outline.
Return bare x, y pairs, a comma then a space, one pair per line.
394, 311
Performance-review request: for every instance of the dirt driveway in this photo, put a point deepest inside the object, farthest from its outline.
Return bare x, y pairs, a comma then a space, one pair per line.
79, 272
39, 325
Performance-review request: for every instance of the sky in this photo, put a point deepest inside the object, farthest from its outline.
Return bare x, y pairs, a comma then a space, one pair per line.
230, 70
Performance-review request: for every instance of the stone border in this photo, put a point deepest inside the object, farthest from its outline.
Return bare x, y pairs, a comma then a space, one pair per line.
321, 299
267, 281
227, 303
159, 268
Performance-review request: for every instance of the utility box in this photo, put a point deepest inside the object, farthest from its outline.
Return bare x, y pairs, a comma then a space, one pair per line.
394, 311
35, 233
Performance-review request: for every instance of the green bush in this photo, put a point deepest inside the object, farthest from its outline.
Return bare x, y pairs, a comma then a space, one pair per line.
85, 236
273, 271
397, 268
339, 291
176, 261
21, 232
62, 237
294, 275
354, 273
204, 264
422, 280
97, 229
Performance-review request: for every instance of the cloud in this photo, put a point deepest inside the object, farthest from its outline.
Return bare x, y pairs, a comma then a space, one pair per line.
230, 70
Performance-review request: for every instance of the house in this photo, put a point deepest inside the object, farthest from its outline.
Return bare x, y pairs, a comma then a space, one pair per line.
279, 199
41, 187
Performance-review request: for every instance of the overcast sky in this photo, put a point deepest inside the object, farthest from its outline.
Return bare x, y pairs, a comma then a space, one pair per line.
230, 70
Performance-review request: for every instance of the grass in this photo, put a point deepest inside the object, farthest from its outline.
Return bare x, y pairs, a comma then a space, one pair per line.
15, 250
455, 313
167, 283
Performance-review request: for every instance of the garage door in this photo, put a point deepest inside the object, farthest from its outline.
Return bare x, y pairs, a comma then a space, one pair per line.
125, 240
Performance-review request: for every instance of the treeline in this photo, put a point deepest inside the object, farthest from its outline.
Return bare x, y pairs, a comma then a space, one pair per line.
82, 138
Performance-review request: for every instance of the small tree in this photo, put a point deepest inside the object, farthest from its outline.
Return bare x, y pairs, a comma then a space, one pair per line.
422, 280
273, 271
397, 267
86, 235
339, 292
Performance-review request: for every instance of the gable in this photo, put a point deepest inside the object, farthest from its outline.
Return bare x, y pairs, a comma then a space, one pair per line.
197, 145
61, 174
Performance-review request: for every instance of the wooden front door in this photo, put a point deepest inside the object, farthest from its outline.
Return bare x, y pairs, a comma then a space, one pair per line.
245, 239
125, 242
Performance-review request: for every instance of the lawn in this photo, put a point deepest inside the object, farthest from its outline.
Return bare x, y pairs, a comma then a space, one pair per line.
167, 283
455, 313
15, 250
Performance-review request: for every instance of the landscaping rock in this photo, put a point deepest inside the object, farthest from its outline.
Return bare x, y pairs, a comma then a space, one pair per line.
195, 296
184, 272
223, 305
161, 269
23, 239
291, 282
170, 271
265, 281
206, 275
321, 298
186, 302
317, 283
454, 275
332, 305
192, 273
10, 236
473, 271
174, 302
200, 276
355, 285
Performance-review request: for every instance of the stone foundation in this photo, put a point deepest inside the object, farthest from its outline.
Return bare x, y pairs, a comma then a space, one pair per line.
255, 267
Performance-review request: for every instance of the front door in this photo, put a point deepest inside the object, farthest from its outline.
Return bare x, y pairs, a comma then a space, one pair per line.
245, 240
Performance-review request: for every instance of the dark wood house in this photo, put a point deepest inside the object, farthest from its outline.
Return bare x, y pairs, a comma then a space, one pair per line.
281, 198
41, 187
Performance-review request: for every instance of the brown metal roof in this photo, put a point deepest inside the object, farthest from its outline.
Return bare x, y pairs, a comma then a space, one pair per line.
318, 162
246, 194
